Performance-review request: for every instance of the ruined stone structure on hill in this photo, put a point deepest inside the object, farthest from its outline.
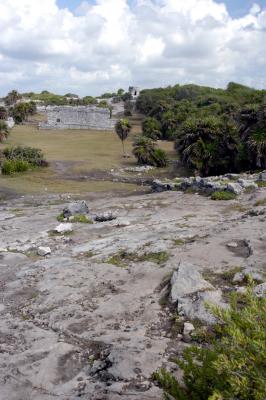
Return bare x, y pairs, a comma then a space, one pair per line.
134, 91
80, 117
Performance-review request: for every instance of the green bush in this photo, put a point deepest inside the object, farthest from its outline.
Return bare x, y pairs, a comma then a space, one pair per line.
232, 366
10, 167
159, 158
147, 153
223, 195
31, 155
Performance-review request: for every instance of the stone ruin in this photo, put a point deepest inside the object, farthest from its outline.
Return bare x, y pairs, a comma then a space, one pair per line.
79, 117
134, 91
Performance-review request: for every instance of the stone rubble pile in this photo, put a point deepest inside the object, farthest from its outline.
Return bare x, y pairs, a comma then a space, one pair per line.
230, 182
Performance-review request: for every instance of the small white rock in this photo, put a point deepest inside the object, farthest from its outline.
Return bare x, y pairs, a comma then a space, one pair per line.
43, 251
232, 244
188, 328
120, 223
64, 228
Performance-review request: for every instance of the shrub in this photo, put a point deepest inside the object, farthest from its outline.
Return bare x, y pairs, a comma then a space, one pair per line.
7, 167
10, 167
233, 365
223, 195
159, 158
33, 156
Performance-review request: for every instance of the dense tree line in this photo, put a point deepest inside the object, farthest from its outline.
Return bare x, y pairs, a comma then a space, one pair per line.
214, 130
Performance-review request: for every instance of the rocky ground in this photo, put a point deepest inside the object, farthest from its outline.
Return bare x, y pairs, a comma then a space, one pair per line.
98, 314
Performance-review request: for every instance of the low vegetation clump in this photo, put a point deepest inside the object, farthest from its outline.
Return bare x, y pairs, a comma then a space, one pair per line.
232, 365
32, 155
21, 159
261, 202
147, 153
223, 195
78, 218
261, 183
179, 242
122, 258
10, 167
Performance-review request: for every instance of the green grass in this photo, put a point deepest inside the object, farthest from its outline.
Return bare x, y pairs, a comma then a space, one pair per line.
54, 233
71, 153
261, 184
122, 258
261, 202
223, 195
79, 218
178, 242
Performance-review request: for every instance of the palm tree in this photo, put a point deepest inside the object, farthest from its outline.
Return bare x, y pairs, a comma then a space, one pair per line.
3, 113
12, 97
143, 148
257, 148
147, 153
4, 130
122, 128
208, 144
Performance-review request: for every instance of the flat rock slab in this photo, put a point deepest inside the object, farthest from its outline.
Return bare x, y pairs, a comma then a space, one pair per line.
79, 324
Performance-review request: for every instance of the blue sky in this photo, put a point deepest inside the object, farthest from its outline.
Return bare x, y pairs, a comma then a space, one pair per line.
236, 8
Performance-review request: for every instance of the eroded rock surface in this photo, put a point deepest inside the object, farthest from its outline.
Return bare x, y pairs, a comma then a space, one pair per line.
87, 321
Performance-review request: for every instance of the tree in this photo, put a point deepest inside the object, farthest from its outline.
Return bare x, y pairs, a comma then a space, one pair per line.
4, 131
127, 96
151, 128
21, 111
122, 128
120, 92
208, 144
12, 97
3, 113
253, 134
128, 108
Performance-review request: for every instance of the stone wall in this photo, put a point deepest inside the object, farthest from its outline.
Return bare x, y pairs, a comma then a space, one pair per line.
80, 117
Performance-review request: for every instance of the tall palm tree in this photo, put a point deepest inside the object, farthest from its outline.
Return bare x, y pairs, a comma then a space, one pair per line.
122, 128
4, 130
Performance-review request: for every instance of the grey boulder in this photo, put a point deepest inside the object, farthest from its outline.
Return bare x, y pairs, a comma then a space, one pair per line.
76, 208
185, 281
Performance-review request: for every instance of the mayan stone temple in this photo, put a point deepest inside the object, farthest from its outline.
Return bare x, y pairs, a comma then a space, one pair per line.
80, 117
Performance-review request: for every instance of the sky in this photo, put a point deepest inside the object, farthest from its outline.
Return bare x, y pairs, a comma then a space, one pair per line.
90, 47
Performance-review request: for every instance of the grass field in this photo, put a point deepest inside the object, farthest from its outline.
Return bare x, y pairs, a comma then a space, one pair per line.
72, 153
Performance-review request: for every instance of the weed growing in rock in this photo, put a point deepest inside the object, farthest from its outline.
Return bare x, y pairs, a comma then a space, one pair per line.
233, 365
80, 218
122, 258
178, 242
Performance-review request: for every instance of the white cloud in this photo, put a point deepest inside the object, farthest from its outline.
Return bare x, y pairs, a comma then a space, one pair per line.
114, 43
